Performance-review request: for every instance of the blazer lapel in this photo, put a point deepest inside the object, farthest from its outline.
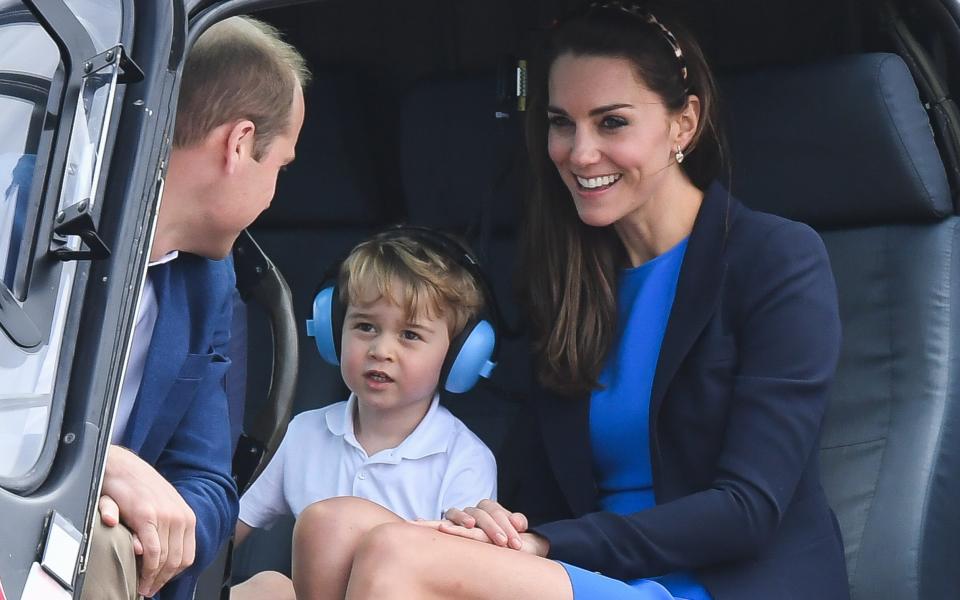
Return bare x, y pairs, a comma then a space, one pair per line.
698, 291
565, 426
167, 348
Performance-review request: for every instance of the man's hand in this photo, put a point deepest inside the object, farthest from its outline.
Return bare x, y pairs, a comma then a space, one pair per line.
162, 523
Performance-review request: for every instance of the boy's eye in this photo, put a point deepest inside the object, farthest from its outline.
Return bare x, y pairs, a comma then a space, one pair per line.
363, 326
613, 122
409, 335
558, 121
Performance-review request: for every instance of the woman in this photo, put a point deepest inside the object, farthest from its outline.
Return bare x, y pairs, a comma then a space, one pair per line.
687, 343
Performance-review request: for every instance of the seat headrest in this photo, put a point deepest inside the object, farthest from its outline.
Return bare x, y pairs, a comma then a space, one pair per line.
334, 177
458, 147
844, 142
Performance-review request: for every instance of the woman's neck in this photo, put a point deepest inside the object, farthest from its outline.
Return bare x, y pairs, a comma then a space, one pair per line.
662, 223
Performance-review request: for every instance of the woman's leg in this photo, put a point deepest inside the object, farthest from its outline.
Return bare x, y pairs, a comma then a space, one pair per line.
266, 584
325, 540
409, 561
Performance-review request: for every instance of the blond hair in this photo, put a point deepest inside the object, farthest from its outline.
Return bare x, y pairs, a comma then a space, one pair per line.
412, 275
240, 68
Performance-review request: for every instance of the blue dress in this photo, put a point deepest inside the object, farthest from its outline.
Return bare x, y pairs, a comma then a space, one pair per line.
619, 423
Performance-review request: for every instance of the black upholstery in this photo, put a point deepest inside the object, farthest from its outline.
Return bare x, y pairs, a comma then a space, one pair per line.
845, 142
846, 146
460, 149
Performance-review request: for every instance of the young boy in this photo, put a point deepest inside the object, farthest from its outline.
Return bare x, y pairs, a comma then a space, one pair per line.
390, 443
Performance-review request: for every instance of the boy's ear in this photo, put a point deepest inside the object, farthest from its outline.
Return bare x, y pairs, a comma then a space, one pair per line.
238, 145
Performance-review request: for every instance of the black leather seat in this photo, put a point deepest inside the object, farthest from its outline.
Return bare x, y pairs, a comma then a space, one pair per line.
846, 146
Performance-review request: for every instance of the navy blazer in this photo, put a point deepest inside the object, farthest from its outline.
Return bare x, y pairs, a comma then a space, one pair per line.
735, 412
180, 422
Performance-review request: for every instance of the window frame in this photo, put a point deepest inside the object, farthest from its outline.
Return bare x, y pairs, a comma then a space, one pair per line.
37, 275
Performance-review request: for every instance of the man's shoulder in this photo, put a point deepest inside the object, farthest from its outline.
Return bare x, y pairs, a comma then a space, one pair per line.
218, 274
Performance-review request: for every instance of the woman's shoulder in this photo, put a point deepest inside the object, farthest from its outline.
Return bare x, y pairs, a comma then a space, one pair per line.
756, 237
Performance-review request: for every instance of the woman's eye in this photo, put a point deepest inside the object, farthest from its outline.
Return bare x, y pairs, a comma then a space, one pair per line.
558, 121
409, 335
612, 122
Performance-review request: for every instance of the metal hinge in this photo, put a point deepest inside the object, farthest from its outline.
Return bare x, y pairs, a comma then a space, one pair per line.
77, 220
129, 71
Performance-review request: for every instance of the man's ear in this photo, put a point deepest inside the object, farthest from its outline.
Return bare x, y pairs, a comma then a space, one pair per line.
238, 145
688, 121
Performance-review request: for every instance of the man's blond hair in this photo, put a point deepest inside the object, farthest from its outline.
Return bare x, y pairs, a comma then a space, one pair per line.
240, 68
412, 275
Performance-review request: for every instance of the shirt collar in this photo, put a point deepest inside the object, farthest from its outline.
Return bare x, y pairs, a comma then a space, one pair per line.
431, 435
165, 258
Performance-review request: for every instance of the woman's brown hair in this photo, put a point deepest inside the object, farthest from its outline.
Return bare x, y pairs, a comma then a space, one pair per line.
571, 268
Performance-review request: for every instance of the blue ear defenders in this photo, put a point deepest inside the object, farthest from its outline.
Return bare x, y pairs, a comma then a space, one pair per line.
471, 353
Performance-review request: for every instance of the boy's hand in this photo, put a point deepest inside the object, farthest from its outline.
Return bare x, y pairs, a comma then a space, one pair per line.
501, 526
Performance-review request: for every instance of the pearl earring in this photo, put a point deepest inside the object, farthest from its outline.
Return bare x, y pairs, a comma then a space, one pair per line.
679, 155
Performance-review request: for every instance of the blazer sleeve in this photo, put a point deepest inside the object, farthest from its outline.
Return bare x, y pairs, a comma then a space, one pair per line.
788, 346
197, 460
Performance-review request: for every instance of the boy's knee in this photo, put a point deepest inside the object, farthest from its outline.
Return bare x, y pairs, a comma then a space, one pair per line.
265, 584
387, 560
323, 515
391, 543
340, 514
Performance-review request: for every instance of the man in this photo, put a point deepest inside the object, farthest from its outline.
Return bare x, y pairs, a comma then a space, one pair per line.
168, 501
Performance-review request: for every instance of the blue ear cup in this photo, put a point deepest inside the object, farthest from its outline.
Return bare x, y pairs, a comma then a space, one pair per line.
471, 360
321, 327
470, 353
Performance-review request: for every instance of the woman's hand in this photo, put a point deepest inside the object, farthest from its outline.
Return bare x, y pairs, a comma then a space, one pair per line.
501, 526
530, 543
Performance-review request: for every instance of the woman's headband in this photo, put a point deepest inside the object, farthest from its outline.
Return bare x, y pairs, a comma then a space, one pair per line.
636, 11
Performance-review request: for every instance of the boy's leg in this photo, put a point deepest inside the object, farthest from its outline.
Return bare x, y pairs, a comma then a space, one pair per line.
401, 561
266, 584
325, 540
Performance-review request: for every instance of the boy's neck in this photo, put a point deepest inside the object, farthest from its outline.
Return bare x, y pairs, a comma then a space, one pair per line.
377, 430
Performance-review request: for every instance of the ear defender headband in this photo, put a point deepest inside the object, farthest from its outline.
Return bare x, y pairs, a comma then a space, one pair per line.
472, 352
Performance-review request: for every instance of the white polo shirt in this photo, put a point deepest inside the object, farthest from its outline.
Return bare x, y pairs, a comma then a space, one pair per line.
440, 465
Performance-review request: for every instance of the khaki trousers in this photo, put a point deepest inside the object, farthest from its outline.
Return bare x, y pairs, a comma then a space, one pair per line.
112, 568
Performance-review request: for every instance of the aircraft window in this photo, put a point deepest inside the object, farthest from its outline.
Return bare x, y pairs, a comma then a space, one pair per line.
32, 323
16, 175
101, 18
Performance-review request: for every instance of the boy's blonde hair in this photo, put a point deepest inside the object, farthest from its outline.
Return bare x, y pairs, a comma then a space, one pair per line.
429, 282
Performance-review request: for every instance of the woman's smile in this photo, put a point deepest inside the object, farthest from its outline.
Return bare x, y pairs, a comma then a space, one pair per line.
596, 183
